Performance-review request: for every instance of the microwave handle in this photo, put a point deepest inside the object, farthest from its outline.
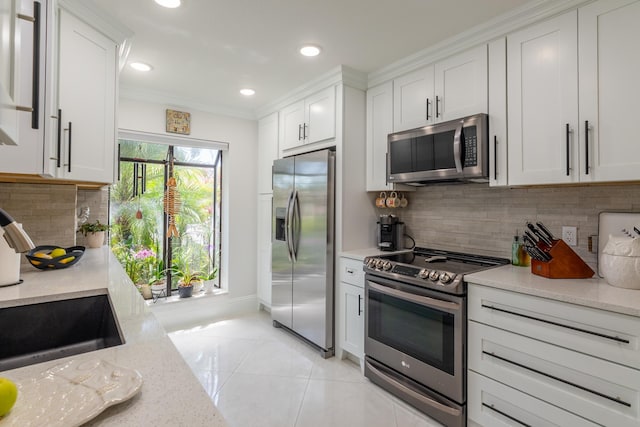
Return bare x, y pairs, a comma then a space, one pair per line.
457, 147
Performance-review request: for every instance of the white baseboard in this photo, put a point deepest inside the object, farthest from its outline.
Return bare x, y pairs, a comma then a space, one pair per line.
187, 313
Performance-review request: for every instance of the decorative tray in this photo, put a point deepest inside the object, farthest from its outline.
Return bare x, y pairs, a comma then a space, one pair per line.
71, 394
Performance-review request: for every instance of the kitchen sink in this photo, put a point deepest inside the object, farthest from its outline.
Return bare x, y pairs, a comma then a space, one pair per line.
51, 330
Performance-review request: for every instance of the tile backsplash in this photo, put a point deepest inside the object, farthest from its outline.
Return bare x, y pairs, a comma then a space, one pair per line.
48, 212
483, 220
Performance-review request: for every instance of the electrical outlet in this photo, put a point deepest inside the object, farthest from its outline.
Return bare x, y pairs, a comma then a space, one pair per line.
570, 235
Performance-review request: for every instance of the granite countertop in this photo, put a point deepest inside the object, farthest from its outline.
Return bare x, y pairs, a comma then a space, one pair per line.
594, 292
170, 393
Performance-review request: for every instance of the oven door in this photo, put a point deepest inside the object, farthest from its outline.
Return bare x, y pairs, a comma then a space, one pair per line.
418, 333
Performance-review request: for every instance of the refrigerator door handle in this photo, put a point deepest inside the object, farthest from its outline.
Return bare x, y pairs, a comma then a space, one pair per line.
295, 226
287, 225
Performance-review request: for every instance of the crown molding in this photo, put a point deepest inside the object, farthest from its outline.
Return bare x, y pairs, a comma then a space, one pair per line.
340, 74
144, 95
500, 26
99, 19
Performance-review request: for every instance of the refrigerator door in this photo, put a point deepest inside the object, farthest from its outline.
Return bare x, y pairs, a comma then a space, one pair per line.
281, 261
313, 237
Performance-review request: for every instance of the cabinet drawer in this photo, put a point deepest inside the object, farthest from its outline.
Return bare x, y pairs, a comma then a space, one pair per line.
600, 333
351, 272
492, 404
601, 391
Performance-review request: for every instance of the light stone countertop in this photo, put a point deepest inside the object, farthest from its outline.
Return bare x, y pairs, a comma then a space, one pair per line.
594, 292
361, 254
170, 393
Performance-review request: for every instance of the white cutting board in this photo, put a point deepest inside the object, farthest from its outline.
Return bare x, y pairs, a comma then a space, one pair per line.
613, 223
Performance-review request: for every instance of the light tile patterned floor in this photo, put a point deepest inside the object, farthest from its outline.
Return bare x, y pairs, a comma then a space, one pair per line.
261, 376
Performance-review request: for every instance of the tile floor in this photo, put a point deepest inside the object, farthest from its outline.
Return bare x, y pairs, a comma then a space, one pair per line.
261, 376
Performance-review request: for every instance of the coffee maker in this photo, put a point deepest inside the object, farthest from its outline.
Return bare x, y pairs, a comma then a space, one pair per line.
390, 233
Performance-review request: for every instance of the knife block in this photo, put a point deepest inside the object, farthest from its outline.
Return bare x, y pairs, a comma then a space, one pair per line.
566, 264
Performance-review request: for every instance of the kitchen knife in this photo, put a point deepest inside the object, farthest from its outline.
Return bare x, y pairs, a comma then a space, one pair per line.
539, 235
545, 230
636, 230
531, 237
534, 251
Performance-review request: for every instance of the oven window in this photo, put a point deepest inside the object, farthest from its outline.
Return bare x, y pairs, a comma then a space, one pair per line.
421, 332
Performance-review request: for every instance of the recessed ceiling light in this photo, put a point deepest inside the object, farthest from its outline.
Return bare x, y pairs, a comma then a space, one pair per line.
247, 92
140, 66
310, 50
172, 4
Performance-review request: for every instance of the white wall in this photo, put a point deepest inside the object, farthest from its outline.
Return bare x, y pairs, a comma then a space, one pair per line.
239, 205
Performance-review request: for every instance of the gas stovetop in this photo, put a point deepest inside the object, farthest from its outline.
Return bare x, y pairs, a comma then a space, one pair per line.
431, 268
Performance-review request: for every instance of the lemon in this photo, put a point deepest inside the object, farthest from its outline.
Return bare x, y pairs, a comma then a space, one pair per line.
66, 260
57, 252
8, 395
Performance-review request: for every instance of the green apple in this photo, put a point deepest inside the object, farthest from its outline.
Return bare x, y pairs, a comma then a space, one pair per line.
8, 395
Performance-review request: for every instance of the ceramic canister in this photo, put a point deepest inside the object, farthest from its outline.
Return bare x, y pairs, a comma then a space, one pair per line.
9, 263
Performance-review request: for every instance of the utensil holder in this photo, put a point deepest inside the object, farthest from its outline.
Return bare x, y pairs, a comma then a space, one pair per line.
565, 264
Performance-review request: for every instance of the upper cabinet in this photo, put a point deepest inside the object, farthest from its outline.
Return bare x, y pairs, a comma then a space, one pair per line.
308, 121
609, 90
498, 112
10, 51
379, 126
449, 89
87, 87
542, 93
267, 151
572, 89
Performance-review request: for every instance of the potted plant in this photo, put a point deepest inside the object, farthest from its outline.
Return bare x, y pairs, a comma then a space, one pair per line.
210, 280
94, 232
187, 279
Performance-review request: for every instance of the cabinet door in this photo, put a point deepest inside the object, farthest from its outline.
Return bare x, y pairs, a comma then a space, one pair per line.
264, 249
413, 100
498, 113
542, 77
609, 90
379, 125
320, 116
461, 85
9, 75
352, 319
291, 126
87, 82
27, 157
267, 151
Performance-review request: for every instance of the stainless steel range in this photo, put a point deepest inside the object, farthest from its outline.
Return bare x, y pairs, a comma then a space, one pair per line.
416, 328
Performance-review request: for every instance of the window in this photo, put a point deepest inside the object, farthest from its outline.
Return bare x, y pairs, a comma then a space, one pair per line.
140, 235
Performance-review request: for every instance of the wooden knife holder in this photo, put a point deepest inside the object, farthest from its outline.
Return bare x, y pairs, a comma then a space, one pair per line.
565, 264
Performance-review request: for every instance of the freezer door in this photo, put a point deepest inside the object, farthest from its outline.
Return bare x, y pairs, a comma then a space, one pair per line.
281, 264
313, 238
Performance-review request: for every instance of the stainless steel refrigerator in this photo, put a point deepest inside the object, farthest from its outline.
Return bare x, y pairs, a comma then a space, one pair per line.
302, 247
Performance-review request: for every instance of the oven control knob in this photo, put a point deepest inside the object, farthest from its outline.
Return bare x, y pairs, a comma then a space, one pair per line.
445, 278
434, 275
423, 274
386, 265
371, 263
379, 264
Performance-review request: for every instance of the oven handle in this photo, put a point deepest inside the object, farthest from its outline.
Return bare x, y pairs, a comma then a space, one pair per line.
406, 390
426, 301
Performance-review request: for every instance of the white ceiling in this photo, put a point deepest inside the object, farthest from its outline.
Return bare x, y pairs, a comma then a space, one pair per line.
204, 52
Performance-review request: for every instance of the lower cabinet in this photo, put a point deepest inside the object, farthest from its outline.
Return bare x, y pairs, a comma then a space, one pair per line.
534, 361
351, 308
264, 249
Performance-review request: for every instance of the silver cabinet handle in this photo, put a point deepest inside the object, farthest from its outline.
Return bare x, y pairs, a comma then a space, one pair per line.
504, 414
586, 146
568, 132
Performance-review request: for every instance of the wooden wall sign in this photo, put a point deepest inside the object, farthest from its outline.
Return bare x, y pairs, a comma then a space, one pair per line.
178, 122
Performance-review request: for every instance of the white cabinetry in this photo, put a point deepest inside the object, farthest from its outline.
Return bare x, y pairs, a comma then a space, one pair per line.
449, 89
267, 151
35, 62
543, 102
9, 74
547, 352
498, 112
308, 121
86, 97
609, 63
351, 308
379, 126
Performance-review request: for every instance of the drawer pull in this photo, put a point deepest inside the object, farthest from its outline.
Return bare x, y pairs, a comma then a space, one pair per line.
550, 322
553, 377
350, 271
504, 414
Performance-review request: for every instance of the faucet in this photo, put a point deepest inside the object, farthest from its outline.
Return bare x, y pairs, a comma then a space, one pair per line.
14, 234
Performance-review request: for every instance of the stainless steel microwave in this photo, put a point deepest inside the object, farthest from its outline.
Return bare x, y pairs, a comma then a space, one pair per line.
456, 150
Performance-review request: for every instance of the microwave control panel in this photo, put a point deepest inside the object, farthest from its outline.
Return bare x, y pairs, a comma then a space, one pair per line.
470, 147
